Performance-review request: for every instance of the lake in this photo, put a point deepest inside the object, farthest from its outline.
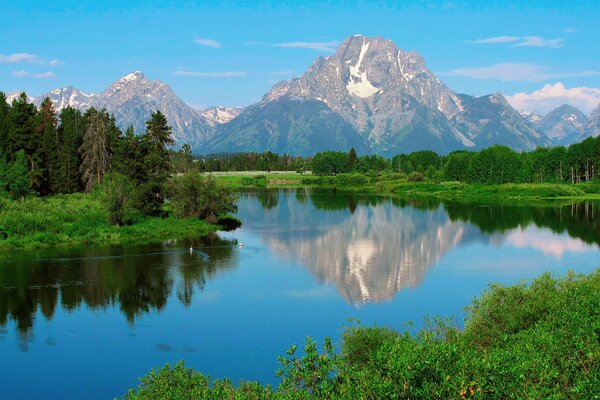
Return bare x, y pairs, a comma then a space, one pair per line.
86, 323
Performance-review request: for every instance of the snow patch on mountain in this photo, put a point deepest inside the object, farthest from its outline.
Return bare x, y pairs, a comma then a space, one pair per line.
358, 83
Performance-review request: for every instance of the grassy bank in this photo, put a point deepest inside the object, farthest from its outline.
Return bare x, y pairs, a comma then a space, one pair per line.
535, 341
80, 219
399, 184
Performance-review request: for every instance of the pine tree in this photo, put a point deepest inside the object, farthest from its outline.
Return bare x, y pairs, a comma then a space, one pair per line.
95, 156
18, 177
21, 135
71, 131
4, 123
158, 137
48, 152
3, 174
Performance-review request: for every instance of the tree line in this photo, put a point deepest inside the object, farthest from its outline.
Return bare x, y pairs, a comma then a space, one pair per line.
577, 163
45, 153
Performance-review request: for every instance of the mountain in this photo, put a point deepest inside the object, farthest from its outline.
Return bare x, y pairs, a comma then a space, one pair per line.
69, 97
133, 98
220, 115
563, 125
11, 96
593, 125
490, 120
388, 97
531, 116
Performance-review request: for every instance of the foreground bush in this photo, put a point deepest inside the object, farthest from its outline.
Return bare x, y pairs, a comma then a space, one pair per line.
537, 341
194, 196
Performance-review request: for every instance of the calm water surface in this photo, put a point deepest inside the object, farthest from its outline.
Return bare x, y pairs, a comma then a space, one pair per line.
87, 323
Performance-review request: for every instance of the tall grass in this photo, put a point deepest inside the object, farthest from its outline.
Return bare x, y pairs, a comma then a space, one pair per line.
80, 219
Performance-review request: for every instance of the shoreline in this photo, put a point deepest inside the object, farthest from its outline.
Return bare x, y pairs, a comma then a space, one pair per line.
75, 220
388, 184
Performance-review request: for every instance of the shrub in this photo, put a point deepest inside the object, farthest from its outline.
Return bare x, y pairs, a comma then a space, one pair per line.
415, 177
193, 196
118, 198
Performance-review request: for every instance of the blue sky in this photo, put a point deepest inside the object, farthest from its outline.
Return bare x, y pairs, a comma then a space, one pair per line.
231, 53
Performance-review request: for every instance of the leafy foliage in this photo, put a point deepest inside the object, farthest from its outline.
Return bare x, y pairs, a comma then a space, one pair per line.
194, 196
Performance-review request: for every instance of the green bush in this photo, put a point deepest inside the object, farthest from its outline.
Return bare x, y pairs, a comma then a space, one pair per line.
415, 177
350, 179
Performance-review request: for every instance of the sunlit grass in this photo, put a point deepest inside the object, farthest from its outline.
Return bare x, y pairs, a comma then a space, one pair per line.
79, 219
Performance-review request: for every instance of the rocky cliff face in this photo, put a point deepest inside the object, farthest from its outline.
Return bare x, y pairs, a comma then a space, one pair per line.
593, 125
563, 125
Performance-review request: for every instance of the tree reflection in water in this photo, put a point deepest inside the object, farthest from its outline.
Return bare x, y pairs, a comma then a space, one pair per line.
137, 280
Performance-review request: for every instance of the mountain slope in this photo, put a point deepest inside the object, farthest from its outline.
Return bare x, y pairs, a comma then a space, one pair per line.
490, 120
563, 125
294, 126
593, 125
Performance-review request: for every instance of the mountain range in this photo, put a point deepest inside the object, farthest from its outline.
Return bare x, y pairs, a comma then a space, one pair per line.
369, 95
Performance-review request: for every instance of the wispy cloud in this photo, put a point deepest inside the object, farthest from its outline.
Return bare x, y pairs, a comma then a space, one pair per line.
26, 74
223, 74
327, 47
538, 41
207, 43
569, 30
507, 72
22, 58
554, 95
521, 41
495, 40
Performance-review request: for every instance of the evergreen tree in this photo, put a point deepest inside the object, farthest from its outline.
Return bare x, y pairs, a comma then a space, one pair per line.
22, 136
3, 174
129, 155
158, 137
48, 152
71, 132
18, 177
4, 123
156, 164
351, 159
95, 156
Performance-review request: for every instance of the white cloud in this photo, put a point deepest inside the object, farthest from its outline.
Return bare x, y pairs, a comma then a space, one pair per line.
208, 43
538, 41
569, 30
554, 95
495, 39
521, 41
507, 72
224, 74
327, 47
18, 58
550, 244
41, 75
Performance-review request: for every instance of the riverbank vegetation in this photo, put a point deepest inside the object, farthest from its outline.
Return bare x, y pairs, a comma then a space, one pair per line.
76, 178
537, 340
82, 219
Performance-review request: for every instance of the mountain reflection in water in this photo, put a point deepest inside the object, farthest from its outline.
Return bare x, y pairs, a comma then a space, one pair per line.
371, 247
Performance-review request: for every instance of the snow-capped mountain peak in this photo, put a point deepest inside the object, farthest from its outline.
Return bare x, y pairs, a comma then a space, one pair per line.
220, 115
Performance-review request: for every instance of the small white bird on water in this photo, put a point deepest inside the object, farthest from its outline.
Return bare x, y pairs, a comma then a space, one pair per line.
241, 245
191, 249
